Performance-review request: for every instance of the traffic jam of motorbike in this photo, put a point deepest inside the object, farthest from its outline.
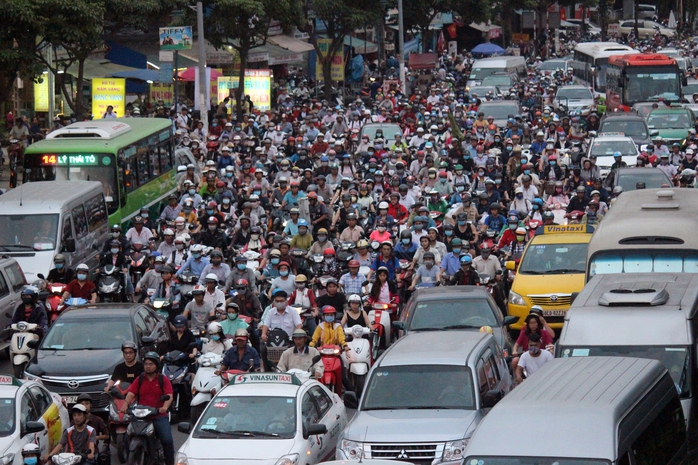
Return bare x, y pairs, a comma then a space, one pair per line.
302, 245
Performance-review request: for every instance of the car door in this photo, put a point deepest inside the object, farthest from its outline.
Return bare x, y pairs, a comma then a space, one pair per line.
49, 416
27, 411
315, 445
332, 414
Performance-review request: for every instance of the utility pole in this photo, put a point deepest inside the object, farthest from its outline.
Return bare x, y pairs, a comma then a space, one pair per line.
204, 83
401, 40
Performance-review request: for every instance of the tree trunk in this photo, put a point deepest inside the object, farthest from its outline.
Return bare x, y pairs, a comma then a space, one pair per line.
327, 76
240, 91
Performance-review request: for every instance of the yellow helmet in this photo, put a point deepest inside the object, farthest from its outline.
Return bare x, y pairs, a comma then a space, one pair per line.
486, 329
362, 243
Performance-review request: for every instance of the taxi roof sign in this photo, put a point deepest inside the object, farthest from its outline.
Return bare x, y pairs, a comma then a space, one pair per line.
565, 229
6, 380
267, 378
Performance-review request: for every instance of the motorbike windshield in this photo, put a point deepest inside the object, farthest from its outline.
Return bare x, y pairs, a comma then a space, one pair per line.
554, 259
103, 334
431, 388
28, 232
452, 314
248, 417
7, 416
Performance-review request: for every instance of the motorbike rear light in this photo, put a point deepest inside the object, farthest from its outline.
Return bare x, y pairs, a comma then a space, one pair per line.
380, 306
56, 289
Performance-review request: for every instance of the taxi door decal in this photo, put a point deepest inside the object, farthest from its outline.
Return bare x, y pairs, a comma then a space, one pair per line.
54, 427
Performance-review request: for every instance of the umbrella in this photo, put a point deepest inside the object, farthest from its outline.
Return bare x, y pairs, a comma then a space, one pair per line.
139, 74
189, 74
672, 20
488, 48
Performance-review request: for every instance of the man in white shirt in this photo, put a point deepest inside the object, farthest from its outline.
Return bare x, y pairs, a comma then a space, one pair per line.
534, 359
138, 234
281, 316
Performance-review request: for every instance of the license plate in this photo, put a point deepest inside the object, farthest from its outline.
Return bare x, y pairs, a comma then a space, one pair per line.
70, 399
554, 312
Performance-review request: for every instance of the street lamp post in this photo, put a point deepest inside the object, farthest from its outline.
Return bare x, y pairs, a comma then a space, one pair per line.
401, 40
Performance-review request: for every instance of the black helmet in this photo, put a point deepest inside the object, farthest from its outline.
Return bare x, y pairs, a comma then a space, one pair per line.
405, 234
114, 243
166, 269
153, 357
129, 345
28, 291
84, 396
180, 320
429, 255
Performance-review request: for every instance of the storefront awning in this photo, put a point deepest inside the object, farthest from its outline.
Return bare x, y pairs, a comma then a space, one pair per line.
360, 45
290, 43
423, 60
98, 69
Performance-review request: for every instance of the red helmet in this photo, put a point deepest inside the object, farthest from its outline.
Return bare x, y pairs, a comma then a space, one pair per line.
284, 264
241, 282
328, 309
212, 220
354, 264
328, 251
552, 157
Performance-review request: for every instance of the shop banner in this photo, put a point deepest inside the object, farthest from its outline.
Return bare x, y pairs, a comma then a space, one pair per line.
105, 92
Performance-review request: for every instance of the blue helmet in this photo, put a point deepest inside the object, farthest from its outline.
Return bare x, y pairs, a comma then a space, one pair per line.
302, 222
466, 259
537, 201
617, 154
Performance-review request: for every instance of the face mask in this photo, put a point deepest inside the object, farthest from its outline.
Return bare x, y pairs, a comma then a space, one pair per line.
254, 237
428, 263
212, 227
535, 207
228, 175
114, 251
443, 180
144, 215
553, 163
209, 212
59, 266
513, 227
381, 228
192, 192
115, 234
283, 273
27, 299
280, 305
519, 238
462, 223
322, 238
179, 246
519, 196
329, 318
242, 266
232, 316
274, 261
534, 350
30, 460
418, 227
226, 201
196, 255
509, 147
406, 241
527, 171
215, 337
82, 276
448, 233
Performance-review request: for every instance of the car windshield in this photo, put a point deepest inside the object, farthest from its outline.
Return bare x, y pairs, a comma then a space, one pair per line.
70, 334
389, 131
532, 461
644, 261
481, 73
431, 387
498, 111
669, 121
628, 179
675, 359
247, 417
481, 91
497, 81
554, 259
628, 127
452, 314
28, 232
574, 94
602, 148
7, 416
551, 65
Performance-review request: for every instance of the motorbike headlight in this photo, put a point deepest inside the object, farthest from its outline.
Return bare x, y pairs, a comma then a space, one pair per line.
113, 412
7, 459
181, 459
290, 459
352, 450
140, 412
516, 299
453, 451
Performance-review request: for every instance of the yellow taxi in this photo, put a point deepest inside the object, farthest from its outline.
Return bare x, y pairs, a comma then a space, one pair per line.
551, 269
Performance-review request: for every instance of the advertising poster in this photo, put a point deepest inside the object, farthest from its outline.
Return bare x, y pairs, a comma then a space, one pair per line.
175, 38
257, 86
105, 92
41, 95
337, 62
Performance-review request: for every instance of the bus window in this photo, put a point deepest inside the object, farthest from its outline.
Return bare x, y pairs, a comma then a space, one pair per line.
80, 221
668, 265
67, 230
638, 264
165, 153
154, 157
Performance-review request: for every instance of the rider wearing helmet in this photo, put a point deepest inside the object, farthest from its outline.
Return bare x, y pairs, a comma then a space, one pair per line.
213, 236
31, 453
350, 282
355, 314
81, 287
213, 295
242, 355
148, 389
31, 311
300, 356
196, 261
330, 332
302, 240
217, 343
199, 309
128, 370
330, 265
61, 273
95, 422
80, 438
466, 275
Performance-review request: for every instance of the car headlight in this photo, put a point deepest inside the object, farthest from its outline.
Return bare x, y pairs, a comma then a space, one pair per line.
181, 459
352, 450
7, 459
516, 299
454, 450
290, 459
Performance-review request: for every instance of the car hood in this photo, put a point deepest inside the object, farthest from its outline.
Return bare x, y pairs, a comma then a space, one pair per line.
528, 284
221, 449
75, 362
406, 426
672, 134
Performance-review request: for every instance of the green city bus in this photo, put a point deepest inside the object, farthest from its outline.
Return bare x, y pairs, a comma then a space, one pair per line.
133, 158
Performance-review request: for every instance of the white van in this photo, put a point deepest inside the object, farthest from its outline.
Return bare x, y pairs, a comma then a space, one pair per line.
41, 219
486, 66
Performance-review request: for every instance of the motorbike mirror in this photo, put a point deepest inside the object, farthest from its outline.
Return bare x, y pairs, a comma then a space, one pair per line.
148, 340
40, 276
398, 325
350, 400
184, 427
114, 392
33, 344
365, 283
43, 295
32, 427
491, 398
316, 359
165, 398
312, 430
510, 265
510, 320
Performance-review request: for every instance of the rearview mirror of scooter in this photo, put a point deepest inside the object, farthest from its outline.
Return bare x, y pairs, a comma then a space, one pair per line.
316, 359
165, 398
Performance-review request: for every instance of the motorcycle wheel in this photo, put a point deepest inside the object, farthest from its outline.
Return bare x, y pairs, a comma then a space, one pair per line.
359, 381
174, 408
121, 447
19, 370
136, 457
195, 412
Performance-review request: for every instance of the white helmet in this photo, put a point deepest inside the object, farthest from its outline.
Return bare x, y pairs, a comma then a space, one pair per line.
354, 298
215, 327
383, 206
31, 449
211, 277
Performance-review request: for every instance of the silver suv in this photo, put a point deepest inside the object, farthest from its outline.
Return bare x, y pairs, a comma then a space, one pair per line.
425, 396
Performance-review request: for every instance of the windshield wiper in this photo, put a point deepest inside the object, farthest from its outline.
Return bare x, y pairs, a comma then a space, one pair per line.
565, 270
429, 328
532, 272
252, 433
19, 246
462, 327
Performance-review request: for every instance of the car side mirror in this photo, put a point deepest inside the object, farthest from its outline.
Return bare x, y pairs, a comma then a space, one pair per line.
491, 399
350, 400
510, 265
148, 340
510, 320
32, 427
68, 245
311, 430
398, 325
184, 427
573, 296
33, 344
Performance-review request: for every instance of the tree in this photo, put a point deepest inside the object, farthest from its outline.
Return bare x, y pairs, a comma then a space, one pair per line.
418, 14
340, 18
244, 25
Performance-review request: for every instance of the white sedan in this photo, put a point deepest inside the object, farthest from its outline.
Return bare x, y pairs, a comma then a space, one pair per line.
28, 413
268, 418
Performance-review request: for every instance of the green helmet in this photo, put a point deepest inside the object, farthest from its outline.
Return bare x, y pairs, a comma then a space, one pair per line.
152, 356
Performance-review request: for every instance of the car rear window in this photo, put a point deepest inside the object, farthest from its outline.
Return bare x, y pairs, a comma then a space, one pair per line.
452, 314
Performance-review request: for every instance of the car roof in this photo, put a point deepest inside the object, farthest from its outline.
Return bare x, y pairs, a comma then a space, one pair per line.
603, 138
667, 111
573, 86
433, 348
267, 389
441, 293
104, 310
628, 115
9, 385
